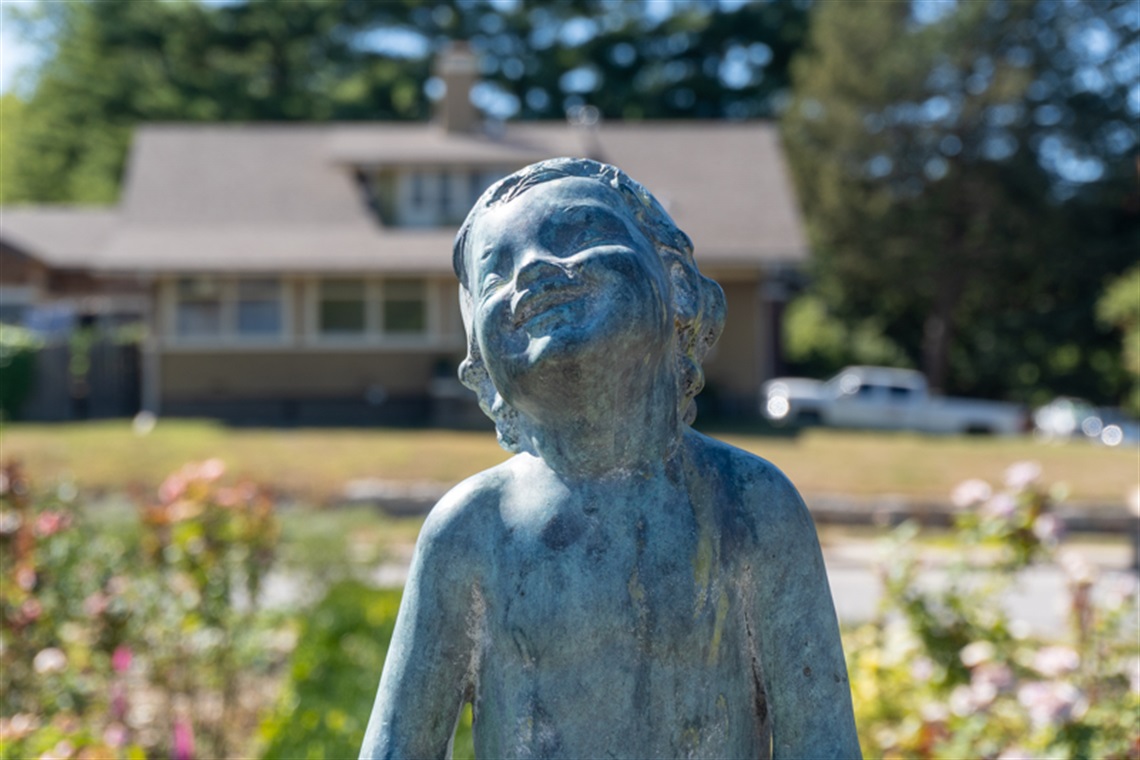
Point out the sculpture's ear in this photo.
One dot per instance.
(686, 299)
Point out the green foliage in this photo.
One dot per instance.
(945, 673)
(116, 63)
(18, 350)
(819, 345)
(11, 111)
(335, 670)
(950, 171)
(1119, 307)
(117, 648)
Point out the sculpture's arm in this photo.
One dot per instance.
(426, 671)
(800, 649)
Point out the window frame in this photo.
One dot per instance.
(229, 332)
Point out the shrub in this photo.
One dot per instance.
(113, 649)
(335, 670)
(18, 349)
(945, 673)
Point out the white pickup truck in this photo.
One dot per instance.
(886, 399)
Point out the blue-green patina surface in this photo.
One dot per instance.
(623, 586)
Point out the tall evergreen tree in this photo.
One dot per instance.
(970, 182)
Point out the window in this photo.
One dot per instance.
(418, 190)
(475, 186)
(444, 181)
(199, 307)
(259, 307)
(342, 307)
(405, 307)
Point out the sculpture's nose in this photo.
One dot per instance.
(537, 266)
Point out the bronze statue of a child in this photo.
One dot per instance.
(623, 586)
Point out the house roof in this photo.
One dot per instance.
(285, 198)
(63, 237)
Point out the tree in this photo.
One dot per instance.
(950, 171)
(116, 63)
(1119, 307)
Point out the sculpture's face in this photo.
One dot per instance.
(559, 273)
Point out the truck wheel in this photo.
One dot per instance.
(978, 430)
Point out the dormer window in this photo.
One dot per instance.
(428, 196)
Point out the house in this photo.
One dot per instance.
(302, 272)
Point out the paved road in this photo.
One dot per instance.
(1040, 597)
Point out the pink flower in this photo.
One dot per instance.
(61, 751)
(970, 492)
(116, 735)
(31, 610)
(26, 578)
(1022, 474)
(120, 705)
(172, 488)
(211, 470)
(1055, 661)
(183, 740)
(50, 522)
(95, 605)
(121, 658)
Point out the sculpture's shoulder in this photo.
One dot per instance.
(751, 488)
(467, 502)
(469, 517)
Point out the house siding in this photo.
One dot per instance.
(732, 370)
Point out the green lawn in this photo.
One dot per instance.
(312, 465)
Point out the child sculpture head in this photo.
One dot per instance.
(625, 215)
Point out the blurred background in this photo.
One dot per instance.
(229, 337)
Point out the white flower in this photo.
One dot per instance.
(1002, 505)
(1055, 661)
(1052, 702)
(1048, 528)
(922, 669)
(970, 492)
(994, 675)
(1077, 567)
(50, 660)
(976, 653)
(962, 702)
(1022, 474)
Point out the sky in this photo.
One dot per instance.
(14, 52)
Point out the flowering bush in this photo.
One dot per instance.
(116, 648)
(945, 673)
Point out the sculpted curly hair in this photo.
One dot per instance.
(698, 302)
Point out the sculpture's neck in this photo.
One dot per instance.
(621, 428)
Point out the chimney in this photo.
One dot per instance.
(458, 68)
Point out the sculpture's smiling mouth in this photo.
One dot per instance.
(542, 298)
